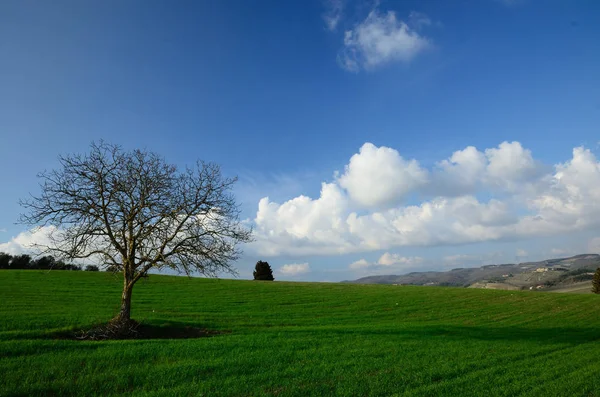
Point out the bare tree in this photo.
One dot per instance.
(134, 212)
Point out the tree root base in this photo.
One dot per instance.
(115, 329)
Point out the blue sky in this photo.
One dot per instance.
(371, 98)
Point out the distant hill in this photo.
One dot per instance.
(547, 274)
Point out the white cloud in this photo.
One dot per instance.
(294, 269)
(381, 39)
(388, 259)
(510, 165)
(436, 222)
(302, 224)
(361, 210)
(360, 264)
(36, 240)
(334, 13)
(25, 242)
(461, 173)
(570, 199)
(379, 176)
(506, 168)
(323, 226)
(3, 230)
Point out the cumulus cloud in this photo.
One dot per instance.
(381, 38)
(36, 241)
(379, 176)
(303, 224)
(294, 269)
(26, 242)
(510, 165)
(388, 259)
(360, 264)
(570, 200)
(362, 209)
(506, 168)
(461, 173)
(435, 222)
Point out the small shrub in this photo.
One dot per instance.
(92, 268)
(596, 282)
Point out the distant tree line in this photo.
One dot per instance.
(26, 262)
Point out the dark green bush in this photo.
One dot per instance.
(4, 260)
(20, 262)
(263, 271)
(596, 282)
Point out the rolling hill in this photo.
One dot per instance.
(552, 274)
(295, 339)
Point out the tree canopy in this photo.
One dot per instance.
(133, 211)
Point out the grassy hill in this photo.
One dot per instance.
(286, 339)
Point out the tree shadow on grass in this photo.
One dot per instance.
(183, 330)
(170, 331)
(139, 331)
(136, 331)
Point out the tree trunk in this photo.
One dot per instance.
(125, 313)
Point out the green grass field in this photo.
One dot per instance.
(296, 339)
